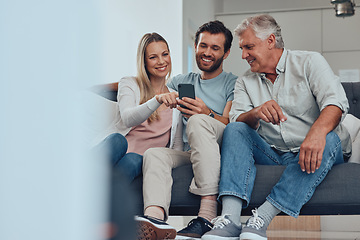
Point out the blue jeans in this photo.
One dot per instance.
(242, 147)
(130, 164)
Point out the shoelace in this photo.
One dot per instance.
(192, 226)
(255, 221)
(220, 222)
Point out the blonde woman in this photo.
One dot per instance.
(147, 114)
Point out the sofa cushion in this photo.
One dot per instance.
(352, 124)
(339, 193)
(352, 90)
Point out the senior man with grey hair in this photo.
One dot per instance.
(286, 111)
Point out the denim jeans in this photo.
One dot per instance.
(242, 147)
(130, 164)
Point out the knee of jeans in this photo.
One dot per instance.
(236, 127)
(332, 138)
(117, 141)
(116, 146)
(333, 142)
(333, 145)
(133, 161)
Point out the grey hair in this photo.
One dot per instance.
(263, 25)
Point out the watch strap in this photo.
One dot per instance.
(211, 114)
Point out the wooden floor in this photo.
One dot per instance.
(302, 223)
(305, 228)
(301, 228)
(307, 235)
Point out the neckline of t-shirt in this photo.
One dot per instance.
(221, 75)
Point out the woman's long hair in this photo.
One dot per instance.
(142, 78)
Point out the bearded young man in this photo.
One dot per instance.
(204, 123)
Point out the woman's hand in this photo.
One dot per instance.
(169, 99)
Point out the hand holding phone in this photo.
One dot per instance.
(197, 104)
(186, 90)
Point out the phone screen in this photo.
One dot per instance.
(186, 90)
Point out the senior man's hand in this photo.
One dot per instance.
(270, 112)
(311, 152)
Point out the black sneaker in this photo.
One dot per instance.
(195, 229)
(149, 228)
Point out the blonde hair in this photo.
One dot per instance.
(142, 78)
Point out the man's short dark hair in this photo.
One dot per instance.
(215, 27)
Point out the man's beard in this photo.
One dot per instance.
(214, 67)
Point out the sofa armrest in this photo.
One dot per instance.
(108, 91)
(352, 90)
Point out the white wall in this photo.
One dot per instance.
(195, 14)
(50, 51)
(125, 22)
(313, 29)
(242, 6)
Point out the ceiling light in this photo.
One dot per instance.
(339, 1)
(345, 9)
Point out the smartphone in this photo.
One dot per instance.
(186, 90)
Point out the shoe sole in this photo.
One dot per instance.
(213, 237)
(186, 237)
(149, 231)
(251, 236)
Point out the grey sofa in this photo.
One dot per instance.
(339, 193)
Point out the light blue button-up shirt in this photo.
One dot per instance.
(305, 85)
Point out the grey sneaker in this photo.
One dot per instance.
(223, 229)
(254, 229)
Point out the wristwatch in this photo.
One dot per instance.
(211, 114)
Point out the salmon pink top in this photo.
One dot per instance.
(155, 134)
